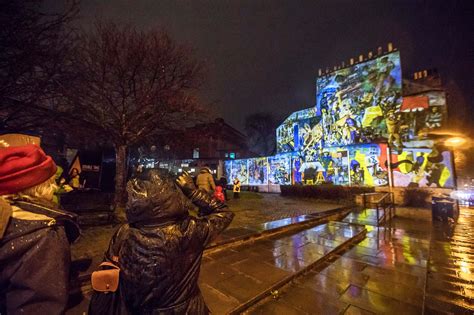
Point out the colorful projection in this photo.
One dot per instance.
(239, 169)
(279, 169)
(296, 133)
(357, 104)
(358, 165)
(422, 168)
(368, 165)
(258, 171)
(421, 114)
(344, 139)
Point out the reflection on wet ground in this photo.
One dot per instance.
(450, 281)
(234, 276)
(387, 273)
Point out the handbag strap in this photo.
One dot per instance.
(108, 264)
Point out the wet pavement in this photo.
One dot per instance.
(387, 273)
(450, 281)
(236, 277)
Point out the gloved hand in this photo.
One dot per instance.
(185, 182)
(201, 199)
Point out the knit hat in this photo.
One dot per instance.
(24, 167)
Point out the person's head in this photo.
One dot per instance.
(153, 196)
(218, 189)
(74, 172)
(27, 171)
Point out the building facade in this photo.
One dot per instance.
(368, 128)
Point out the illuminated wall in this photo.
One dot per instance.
(422, 168)
(344, 139)
(258, 171)
(368, 165)
(279, 169)
(296, 132)
(239, 169)
(357, 165)
(356, 104)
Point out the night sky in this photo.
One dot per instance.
(265, 55)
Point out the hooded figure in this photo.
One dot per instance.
(205, 181)
(161, 249)
(34, 234)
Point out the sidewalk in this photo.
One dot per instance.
(250, 209)
(405, 267)
(256, 215)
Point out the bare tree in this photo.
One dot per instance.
(132, 85)
(33, 48)
(260, 129)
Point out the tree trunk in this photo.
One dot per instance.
(120, 175)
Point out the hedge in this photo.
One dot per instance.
(325, 191)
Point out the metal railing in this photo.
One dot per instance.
(382, 202)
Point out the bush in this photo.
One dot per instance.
(416, 198)
(325, 191)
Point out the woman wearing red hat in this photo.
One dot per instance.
(34, 235)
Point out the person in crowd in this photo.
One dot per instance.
(205, 181)
(160, 250)
(34, 234)
(223, 184)
(75, 179)
(236, 188)
(218, 194)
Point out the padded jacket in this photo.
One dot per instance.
(161, 248)
(35, 258)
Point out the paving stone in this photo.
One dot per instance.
(276, 307)
(261, 271)
(218, 302)
(377, 303)
(334, 287)
(354, 310)
(312, 302)
(240, 287)
(214, 272)
(381, 274)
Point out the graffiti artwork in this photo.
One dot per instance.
(258, 171)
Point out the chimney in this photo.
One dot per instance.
(390, 47)
(352, 61)
(361, 58)
(379, 50)
(370, 55)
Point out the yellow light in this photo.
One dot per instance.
(455, 141)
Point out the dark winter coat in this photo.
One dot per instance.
(35, 259)
(205, 181)
(160, 254)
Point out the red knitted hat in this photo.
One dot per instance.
(24, 167)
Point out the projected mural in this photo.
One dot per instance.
(258, 171)
(296, 132)
(358, 104)
(368, 165)
(279, 169)
(422, 168)
(359, 119)
(239, 170)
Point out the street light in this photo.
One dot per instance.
(455, 141)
